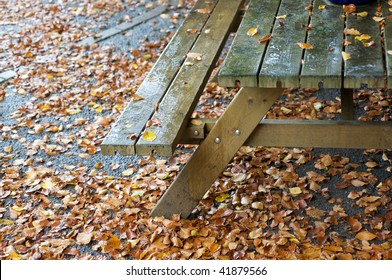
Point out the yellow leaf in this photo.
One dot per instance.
(73, 111)
(149, 136)
(362, 14)
(18, 208)
(13, 256)
(252, 31)
(346, 56)
(295, 190)
(365, 235)
(222, 197)
(305, 46)
(6, 222)
(99, 109)
(351, 31)
(363, 37)
(378, 19)
(321, 7)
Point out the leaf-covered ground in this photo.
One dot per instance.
(61, 199)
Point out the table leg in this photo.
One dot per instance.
(347, 101)
(212, 156)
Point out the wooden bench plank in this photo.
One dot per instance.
(388, 41)
(243, 60)
(323, 63)
(282, 62)
(319, 134)
(182, 97)
(137, 113)
(366, 65)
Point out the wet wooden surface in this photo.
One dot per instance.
(281, 60)
(182, 96)
(127, 130)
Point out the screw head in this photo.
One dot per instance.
(217, 140)
(196, 133)
(237, 132)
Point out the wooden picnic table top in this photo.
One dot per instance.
(307, 45)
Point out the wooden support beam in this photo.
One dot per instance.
(347, 102)
(212, 156)
(302, 133)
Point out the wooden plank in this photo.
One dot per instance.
(283, 59)
(366, 65)
(243, 60)
(388, 41)
(323, 63)
(183, 94)
(304, 133)
(136, 114)
(216, 151)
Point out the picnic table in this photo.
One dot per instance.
(297, 44)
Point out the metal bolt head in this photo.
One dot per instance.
(196, 133)
(217, 140)
(237, 132)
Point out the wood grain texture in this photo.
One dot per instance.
(388, 42)
(212, 156)
(243, 60)
(366, 64)
(182, 97)
(318, 134)
(323, 63)
(283, 59)
(136, 114)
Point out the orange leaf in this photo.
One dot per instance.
(349, 9)
(305, 46)
(203, 11)
(351, 31)
(265, 38)
(365, 235)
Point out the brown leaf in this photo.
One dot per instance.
(305, 46)
(365, 236)
(265, 39)
(84, 238)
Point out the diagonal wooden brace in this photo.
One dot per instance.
(230, 132)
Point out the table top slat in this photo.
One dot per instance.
(388, 41)
(243, 60)
(366, 65)
(323, 63)
(154, 86)
(282, 61)
(181, 98)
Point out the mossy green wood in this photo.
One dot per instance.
(282, 62)
(388, 42)
(137, 113)
(323, 63)
(366, 64)
(243, 60)
(182, 97)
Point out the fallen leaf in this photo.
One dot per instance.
(252, 31)
(352, 31)
(265, 39)
(389, 52)
(295, 191)
(222, 197)
(6, 222)
(363, 37)
(365, 236)
(149, 136)
(305, 46)
(349, 9)
(84, 238)
(192, 30)
(346, 56)
(203, 11)
(362, 14)
(281, 17)
(321, 7)
(73, 111)
(358, 183)
(378, 19)
(128, 172)
(195, 56)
